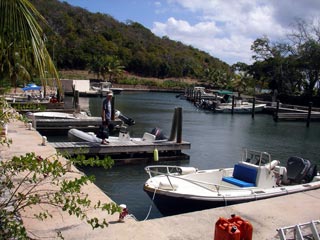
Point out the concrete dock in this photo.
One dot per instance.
(265, 215)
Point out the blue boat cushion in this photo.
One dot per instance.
(237, 182)
(243, 176)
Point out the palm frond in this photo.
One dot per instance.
(21, 33)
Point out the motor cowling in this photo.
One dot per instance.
(300, 170)
(312, 172)
(158, 133)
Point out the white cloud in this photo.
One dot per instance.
(183, 28)
(206, 36)
(157, 4)
(226, 29)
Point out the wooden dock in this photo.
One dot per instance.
(296, 113)
(134, 150)
(296, 116)
(126, 151)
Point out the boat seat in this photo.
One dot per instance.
(243, 176)
(148, 137)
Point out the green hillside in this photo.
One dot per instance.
(77, 37)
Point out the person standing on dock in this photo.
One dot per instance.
(106, 117)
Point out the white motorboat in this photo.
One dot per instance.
(222, 102)
(239, 107)
(202, 91)
(106, 87)
(57, 115)
(81, 115)
(177, 189)
(76, 135)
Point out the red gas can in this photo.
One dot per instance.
(244, 226)
(224, 230)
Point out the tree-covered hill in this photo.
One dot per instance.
(78, 37)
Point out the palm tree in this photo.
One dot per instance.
(240, 82)
(20, 33)
(112, 68)
(106, 67)
(95, 66)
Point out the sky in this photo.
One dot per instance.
(225, 29)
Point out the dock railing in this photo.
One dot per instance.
(296, 113)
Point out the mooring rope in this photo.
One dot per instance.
(154, 194)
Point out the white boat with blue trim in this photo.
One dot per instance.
(177, 189)
(239, 107)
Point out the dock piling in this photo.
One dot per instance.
(179, 124)
(309, 114)
(253, 107)
(76, 99)
(232, 109)
(275, 117)
(173, 127)
(176, 128)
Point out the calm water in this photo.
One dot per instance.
(216, 140)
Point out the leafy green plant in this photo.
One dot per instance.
(21, 178)
(28, 106)
(6, 112)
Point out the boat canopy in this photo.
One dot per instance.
(224, 92)
(31, 86)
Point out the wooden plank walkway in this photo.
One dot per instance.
(295, 113)
(296, 116)
(126, 150)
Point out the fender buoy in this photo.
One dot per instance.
(155, 155)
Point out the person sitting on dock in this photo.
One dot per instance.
(106, 114)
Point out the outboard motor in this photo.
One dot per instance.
(124, 134)
(312, 172)
(298, 170)
(126, 120)
(158, 133)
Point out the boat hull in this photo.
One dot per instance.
(169, 203)
(75, 135)
(240, 109)
(52, 115)
(179, 189)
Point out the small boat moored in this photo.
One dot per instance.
(177, 189)
(76, 135)
(105, 87)
(81, 115)
(239, 107)
(57, 115)
(224, 101)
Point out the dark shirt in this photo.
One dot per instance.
(106, 107)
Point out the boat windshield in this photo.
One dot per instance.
(256, 157)
(156, 170)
